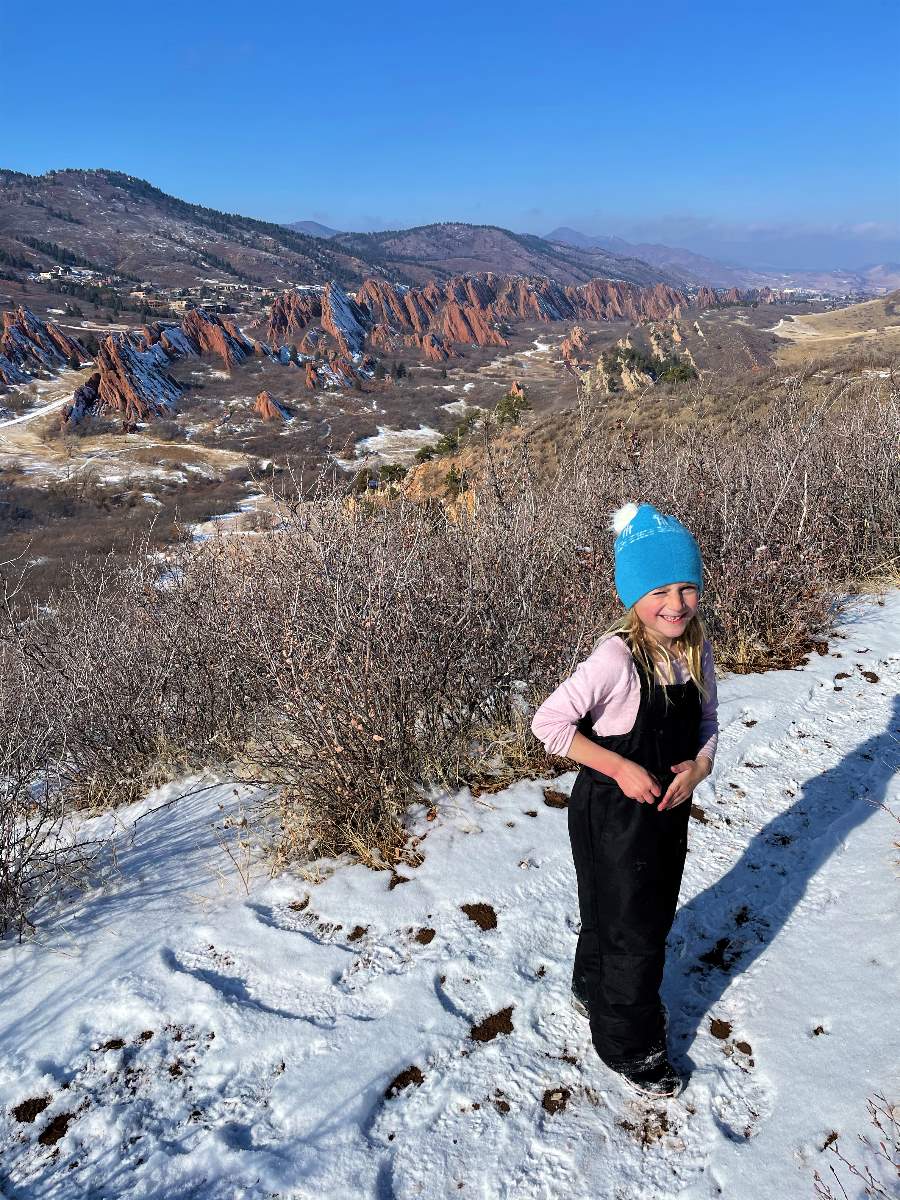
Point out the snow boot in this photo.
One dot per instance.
(656, 1078)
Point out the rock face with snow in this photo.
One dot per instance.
(83, 402)
(133, 381)
(267, 407)
(202, 333)
(29, 345)
(343, 319)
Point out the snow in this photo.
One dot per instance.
(260, 1030)
(389, 446)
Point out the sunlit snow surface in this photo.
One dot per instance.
(197, 1041)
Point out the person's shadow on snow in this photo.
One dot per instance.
(724, 929)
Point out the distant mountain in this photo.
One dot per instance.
(452, 248)
(313, 228)
(692, 269)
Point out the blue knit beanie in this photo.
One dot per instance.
(652, 550)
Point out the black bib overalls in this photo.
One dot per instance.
(629, 859)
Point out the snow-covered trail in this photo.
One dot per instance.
(191, 1040)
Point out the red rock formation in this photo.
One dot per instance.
(467, 324)
(706, 298)
(29, 345)
(312, 378)
(211, 335)
(516, 391)
(344, 320)
(574, 348)
(267, 407)
(291, 312)
(431, 345)
(468, 309)
(132, 381)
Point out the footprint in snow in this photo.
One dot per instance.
(395, 955)
(243, 987)
(297, 917)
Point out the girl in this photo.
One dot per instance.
(639, 715)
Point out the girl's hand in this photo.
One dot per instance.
(687, 775)
(637, 783)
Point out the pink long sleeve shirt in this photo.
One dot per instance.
(606, 685)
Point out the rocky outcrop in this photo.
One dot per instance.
(201, 333)
(292, 312)
(466, 310)
(29, 346)
(133, 381)
(430, 345)
(267, 407)
(344, 320)
(574, 348)
(82, 404)
(212, 334)
(312, 379)
(517, 392)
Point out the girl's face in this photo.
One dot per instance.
(666, 611)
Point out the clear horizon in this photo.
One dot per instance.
(754, 135)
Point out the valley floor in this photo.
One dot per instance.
(180, 1036)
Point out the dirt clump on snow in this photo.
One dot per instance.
(412, 1075)
(482, 914)
(490, 1027)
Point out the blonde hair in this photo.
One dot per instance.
(649, 653)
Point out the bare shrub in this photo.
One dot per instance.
(39, 856)
(880, 1176)
(131, 663)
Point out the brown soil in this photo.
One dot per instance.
(490, 1027)
(56, 1129)
(482, 914)
(29, 1109)
(412, 1075)
(356, 933)
(555, 1099)
(699, 814)
(653, 1126)
(720, 1029)
(424, 936)
(744, 1047)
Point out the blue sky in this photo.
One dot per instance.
(766, 130)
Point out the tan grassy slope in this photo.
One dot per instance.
(871, 326)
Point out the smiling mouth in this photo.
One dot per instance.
(674, 620)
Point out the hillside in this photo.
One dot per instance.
(439, 251)
(870, 327)
(119, 223)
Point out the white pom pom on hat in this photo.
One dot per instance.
(623, 517)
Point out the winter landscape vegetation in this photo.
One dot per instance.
(298, 526)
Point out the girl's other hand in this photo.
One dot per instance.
(687, 775)
(637, 783)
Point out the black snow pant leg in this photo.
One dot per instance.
(628, 863)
